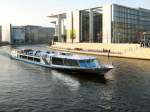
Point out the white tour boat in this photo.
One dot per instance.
(61, 61)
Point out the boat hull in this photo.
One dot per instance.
(98, 71)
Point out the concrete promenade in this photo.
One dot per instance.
(114, 50)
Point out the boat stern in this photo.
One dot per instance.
(13, 54)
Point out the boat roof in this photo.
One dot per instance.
(27, 49)
(64, 55)
(73, 57)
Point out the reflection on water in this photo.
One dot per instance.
(67, 80)
(27, 88)
(89, 77)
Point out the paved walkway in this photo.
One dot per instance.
(116, 50)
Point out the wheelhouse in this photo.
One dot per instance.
(88, 63)
(84, 63)
(64, 61)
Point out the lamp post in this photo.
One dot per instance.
(144, 33)
(118, 37)
(98, 37)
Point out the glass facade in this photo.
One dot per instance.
(144, 20)
(128, 24)
(85, 26)
(97, 29)
(125, 25)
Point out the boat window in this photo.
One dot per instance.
(24, 57)
(30, 53)
(91, 61)
(87, 63)
(57, 61)
(20, 56)
(69, 62)
(30, 58)
(36, 59)
(83, 63)
(62, 53)
(48, 52)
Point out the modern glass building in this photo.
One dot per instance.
(128, 24)
(110, 23)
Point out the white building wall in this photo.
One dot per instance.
(76, 18)
(6, 33)
(107, 18)
(56, 29)
(62, 27)
(75, 25)
(0, 33)
(68, 25)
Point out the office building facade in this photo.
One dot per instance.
(27, 34)
(17, 35)
(38, 34)
(110, 23)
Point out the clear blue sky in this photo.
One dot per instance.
(23, 12)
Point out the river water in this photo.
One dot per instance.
(30, 88)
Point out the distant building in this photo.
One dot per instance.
(6, 33)
(18, 35)
(38, 34)
(27, 34)
(0, 33)
(109, 23)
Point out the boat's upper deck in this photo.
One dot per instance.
(58, 58)
(64, 55)
(73, 57)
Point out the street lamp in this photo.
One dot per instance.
(144, 33)
(118, 37)
(98, 37)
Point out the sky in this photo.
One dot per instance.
(35, 12)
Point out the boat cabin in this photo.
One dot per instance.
(58, 58)
(85, 63)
